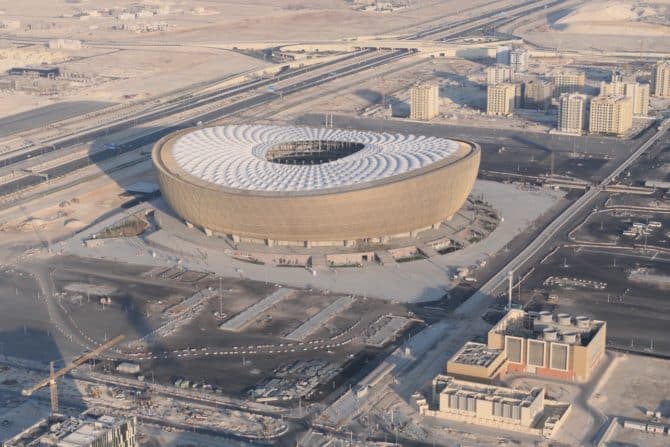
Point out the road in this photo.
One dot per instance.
(190, 101)
(547, 235)
(47, 115)
(431, 348)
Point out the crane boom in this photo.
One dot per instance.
(75, 363)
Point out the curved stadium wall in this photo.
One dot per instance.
(294, 185)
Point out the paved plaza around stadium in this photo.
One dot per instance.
(422, 280)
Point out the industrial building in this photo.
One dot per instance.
(282, 185)
(498, 74)
(537, 94)
(612, 115)
(540, 343)
(518, 60)
(569, 82)
(572, 113)
(639, 94)
(43, 72)
(500, 99)
(527, 411)
(549, 345)
(84, 431)
(660, 79)
(424, 102)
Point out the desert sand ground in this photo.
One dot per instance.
(619, 25)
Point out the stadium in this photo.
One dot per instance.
(283, 185)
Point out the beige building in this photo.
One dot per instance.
(549, 345)
(477, 362)
(518, 60)
(498, 74)
(572, 113)
(611, 115)
(660, 79)
(569, 82)
(84, 431)
(492, 404)
(540, 343)
(424, 102)
(500, 99)
(639, 93)
(527, 411)
(537, 94)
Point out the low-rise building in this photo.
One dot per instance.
(557, 346)
(84, 431)
(65, 44)
(527, 411)
(477, 362)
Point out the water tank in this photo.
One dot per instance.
(550, 334)
(545, 316)
(564, 319)
(569, 337)
(583, 322)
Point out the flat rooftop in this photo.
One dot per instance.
(477, 354)
(61, 431)
(547, 326)
(489, 392)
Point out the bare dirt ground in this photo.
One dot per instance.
(622, 25)
(208, 20)
(119, 65)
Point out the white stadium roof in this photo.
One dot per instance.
(235, 157)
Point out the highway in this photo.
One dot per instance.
(192, 101)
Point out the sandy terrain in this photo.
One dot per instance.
(612, 17)
(117, 64)
(119, 75)
(617, 25)
(151, 71)
(209, 20)
(55, 217)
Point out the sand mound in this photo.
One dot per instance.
(32, 224)
(600, 12)
(611, 18)
(73, 224)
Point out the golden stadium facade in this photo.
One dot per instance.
(284, 185)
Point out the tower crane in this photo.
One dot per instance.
(55, 374)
